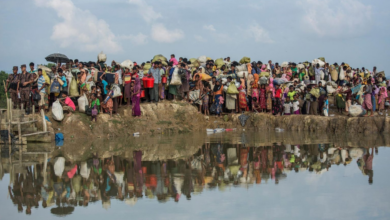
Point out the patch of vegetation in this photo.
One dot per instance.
(116, 122)
(164, 123)
(180, 115)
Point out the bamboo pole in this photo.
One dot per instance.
(19, 132)
(43, 120)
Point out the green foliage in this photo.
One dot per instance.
(49, 65)
(3, 100)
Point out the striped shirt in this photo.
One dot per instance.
(41, 81)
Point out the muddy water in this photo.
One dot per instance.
(231, 175)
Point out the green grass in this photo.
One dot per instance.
(116, 122)
(164, 123)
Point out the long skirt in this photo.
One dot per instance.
(230, 102)
(127, 90)
(172, 89)
(263, 100)
(219, 106)
(373, 100)
(205, 105)
(108, 106)
(277, 106)
(269, 101)
(242, 100)
(136, 107)
(381, 103)
(367, 104)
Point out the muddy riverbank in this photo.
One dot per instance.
(170, 117)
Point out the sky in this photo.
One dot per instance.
(351, 31)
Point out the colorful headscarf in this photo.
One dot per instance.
(263, 68)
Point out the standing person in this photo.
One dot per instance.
(230, 98)
(42, 90)
(127, 77)
(381, 99)
(295, 105)
(172, 89)
(277, 105)
(287, 106)
(13, 85)
(82, 81)
(162, 85)
(205, 105)
(155, 73)
(96, 105)
(136, 97)
(25, 81)
(255, 87)
(185, 85)
(318, 73)
(263, 98)
(348, 98)
(325, 107)
(217, 95)
(308, 99)
(195, 94)
(242, 98)
(367, 104)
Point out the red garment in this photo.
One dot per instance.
(278, 93)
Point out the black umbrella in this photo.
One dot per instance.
(57, 58)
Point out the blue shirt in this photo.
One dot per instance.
(63, 78)
(155, 72)
(104, 86)
(41, 81)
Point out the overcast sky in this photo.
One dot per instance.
(351, 31)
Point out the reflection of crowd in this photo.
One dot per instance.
(67, 185)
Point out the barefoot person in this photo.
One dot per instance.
(367, 104)
(136, 97)
(195, 93)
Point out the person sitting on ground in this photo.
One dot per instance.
(67, 103)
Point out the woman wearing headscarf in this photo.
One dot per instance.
(381, 99)
(255, 87)
(136, 97)
(242, 98)
(218, 88)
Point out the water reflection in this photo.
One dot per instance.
(63, 185)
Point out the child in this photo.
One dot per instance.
(287, 106)
(99, 96)
(205, 106)
(295, 105)
(95, 105)
(326, 106)
(256, 105)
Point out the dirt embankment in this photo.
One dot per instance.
(178, 117)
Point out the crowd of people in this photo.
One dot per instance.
(214, 86)
(64, 183)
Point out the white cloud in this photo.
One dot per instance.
(146, 11)
(334, 18)
(163, 35)
(80, 28)
(259, 34)
(138, 39)
(199, 38)
(209, 27)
